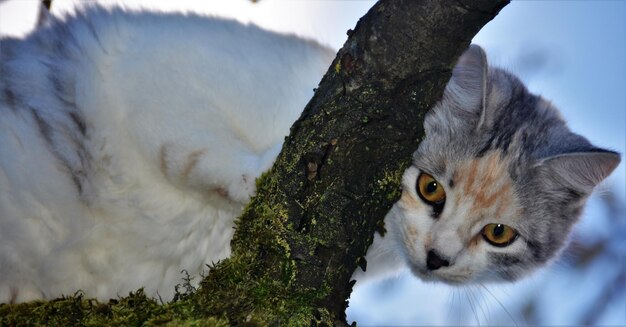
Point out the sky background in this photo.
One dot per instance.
(570, 52)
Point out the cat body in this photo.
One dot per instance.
(130, 141)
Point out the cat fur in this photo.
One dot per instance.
(129, 141)
(504, 156)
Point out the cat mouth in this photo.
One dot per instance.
(445, 276)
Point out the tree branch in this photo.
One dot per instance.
(300, 239)
(44, 11)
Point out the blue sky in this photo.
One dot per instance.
(572, 53)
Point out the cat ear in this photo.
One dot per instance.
(469, 79)
(582, 170)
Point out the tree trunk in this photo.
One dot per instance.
(315, 213)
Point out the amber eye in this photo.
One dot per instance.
(430, 190)
(499, 234)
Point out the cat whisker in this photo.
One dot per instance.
(475, 292)
(457, 308)
(471, 304)
(508, 313)
(450, 300)
(454, 310)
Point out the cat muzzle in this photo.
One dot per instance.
(434, 261)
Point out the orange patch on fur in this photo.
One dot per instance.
(469, 175)
(409, 244)
(505, 201)
(221, 192)
(473, 243)
(428, 241)
(192, 160)
(408, 200)
(486, 184)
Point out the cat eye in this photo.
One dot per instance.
(430, 190)
(499, 234)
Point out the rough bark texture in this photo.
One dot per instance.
(316, 211)
(303, 235)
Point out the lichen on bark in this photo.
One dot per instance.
(315, 213)
(340, 168)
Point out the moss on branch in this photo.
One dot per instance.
(315, 213)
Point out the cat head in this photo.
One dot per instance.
(498, 182)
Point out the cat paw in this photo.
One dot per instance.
(242, 189)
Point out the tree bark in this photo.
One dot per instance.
(315, 213)
(299, 241)
(44, 11)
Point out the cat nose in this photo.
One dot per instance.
(434, 261)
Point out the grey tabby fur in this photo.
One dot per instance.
(504, 156)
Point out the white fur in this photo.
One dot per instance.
(129, 142)
(399, 249)
(154, 91)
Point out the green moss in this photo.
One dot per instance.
(274, 302)
(133, 310)
(257, 285)
(337, 66)
(390, 183)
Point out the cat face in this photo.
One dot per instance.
(461, 224)
(496, 185)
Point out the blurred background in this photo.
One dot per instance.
(572, 53)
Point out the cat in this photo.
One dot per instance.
(495, 186)
(129, 142)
